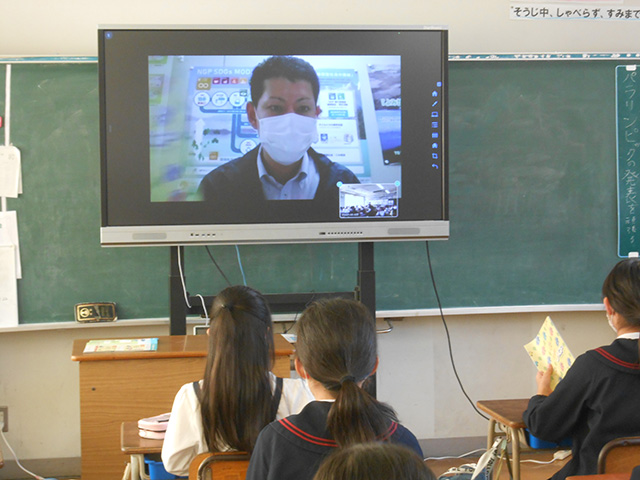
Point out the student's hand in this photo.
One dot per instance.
(543, 379)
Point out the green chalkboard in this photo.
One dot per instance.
(532, 187)
(628, 137)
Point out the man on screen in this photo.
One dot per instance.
(284, 110)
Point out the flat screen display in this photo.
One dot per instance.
(238, 135)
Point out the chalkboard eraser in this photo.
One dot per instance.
(95, 312)
(633, 255)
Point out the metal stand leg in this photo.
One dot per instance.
(511, 436)
(135, 467)
(492, 433)
(127, 472)
(515, 453)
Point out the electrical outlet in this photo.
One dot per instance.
(4, 418)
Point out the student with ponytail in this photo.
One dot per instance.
(335, 352)
(597, 400)
(239, 395)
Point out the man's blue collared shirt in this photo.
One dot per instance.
(302, 186)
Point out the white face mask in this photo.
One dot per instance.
(611, 324)
(287, 137)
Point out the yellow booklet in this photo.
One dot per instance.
(549, 348)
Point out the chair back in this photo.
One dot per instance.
(619, 455)
(219, 465)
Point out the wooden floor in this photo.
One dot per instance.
(528, 470)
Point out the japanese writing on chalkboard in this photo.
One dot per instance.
(537, 11)
(628, 140)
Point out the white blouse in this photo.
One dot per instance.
(184, 438)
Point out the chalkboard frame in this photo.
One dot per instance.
(479, 268)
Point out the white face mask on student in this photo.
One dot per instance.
(287, 137)
(611, 324)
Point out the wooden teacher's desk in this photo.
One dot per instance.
(118, 387)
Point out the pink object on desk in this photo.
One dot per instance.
(153, 427)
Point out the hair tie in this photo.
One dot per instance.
(347, 378)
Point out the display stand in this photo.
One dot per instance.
(365, 291)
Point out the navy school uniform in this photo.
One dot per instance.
(294, 447)
(595, 402)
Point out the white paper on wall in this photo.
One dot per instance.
(8, 287)
(10, 181)
(9, 236)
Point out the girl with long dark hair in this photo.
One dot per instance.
(238, 395)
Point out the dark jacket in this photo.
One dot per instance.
(236, 185)
(596, 401)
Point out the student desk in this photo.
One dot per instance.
(136, 447)
(507, 415)
(118, 387)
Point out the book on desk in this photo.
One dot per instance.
(122, 345)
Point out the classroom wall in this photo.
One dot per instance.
(68, 27)
(39, 382)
